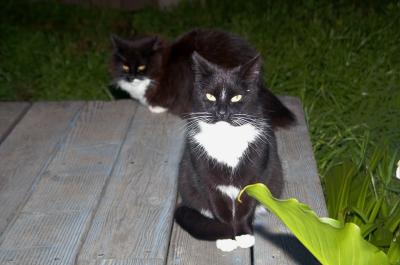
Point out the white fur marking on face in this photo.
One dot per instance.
(223, 94)
(136, 89)
(157, 109)
(229, 190)
(226, 245)
(245, 241)
(224, 142)
(207, 213)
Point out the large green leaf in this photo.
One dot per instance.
(327, 239)
(394, 251)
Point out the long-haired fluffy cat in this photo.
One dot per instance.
(159, 73)
(230, 144)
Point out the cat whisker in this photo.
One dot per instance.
(191, 123)
(194, 113)
(154, 82)
(265, 138)
(182, 126)
(251, 119)
(194, 118)
(259, 124)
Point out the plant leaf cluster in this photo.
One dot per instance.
(329, 240)
(365, 191)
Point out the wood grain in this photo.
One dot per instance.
(10, 114)
(131, 261)
(185, 250)
(26, 152)
(274, 243)
(134, 218)
(57, 215)
(43, 239)
(96, 184)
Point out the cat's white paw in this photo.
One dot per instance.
(245, 241)
(157, 109)
(226, 245)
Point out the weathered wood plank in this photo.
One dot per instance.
(274, 244)
(10, 114)
(185, 250)
(55, 219)
(26, 151)
(134, 218)
(43, 239)
(132, 261)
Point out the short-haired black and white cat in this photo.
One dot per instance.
(230, 144)
(158, 73)
(136, 66)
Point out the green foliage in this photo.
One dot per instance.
(331, 242)
(363, 190)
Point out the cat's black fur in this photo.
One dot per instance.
(200, 175)
(169, 66)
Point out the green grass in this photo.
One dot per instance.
(341, 58)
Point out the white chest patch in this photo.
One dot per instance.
(224, 142)
(136, 89)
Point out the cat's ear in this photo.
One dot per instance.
(118, 42)
(158, 44)
(250, 71)
(201, 67)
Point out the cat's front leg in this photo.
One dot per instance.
(243, 222)
(244, 237)
(222, 208)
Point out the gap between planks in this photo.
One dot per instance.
(71, 144)
(10, 114)
(23, 166)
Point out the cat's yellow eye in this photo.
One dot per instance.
(236, 98)
(210, 97)
(141, 68)
(125, 68)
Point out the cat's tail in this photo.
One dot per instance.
(200, 226)
(280, 115)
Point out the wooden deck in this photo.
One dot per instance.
(94, 183)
